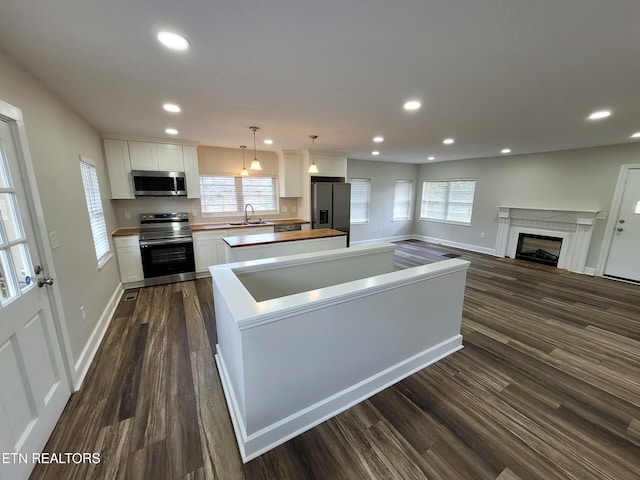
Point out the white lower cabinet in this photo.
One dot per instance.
(208, 249)
(129, 259)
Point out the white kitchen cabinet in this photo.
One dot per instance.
(191, 170)
(129, 259)
(330, 166)
(290, 174)
(237, 232)
(305, 226)
(208, 248)
(156, 156)
(119, 168)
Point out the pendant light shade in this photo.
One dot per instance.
(244, 171)
(255, 164)
(313, 168)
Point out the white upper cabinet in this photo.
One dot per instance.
(119, 168)
(156, 156)
(191, 171)
(330, 166)
(290, 174)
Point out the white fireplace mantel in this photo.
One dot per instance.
(573, 226)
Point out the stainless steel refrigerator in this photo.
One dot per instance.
(331, 206)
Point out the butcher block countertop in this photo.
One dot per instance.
(203, 227)
(265, 238)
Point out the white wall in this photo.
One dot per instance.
(56, 136)
(581, 179)
(383, 176)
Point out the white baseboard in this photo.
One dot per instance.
(381, 240)
(90, 349)
(257, 443)
(589, 271)
(462, 246)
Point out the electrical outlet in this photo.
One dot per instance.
(127, 215)
(293, 209)
(53, 239)
(481, 234)
(194, 212)
(284, 209)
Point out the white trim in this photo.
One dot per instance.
(614, 212)
(397, 238)
(462, 246)
(93, 343)
(254, 445)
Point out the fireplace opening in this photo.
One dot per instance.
(539, 249)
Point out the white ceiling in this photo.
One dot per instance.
(522, 74)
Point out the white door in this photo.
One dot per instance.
(33, 386)
(624, 255)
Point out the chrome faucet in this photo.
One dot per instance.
(246, 217)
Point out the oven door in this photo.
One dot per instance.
(165, 261)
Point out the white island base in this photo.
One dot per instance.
(304, 337)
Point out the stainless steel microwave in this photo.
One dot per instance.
(158, 184)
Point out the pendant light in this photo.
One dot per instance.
(255, 164)
(313, 168)
(244, 172)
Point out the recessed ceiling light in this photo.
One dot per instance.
(505, 150)
(375, 152)
(378, 139)
(412, 105)
(268, 141)
(171, 131)
(636, 135)
(173, 41)
(431, 158)
(448, 141)
(599, 114)
(171, 107)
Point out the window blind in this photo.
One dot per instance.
(448, 201)
(360, 192)
(94, 207)
(402, 200)
(227, 195)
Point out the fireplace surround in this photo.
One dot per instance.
(572, 227)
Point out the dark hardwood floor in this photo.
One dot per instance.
(547, 387)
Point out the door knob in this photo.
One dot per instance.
(620, 221)
(44, 281)
(619, 229)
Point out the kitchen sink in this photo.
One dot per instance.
(257, 222)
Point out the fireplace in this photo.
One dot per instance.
(539, 249)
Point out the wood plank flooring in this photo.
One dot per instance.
(547, 387)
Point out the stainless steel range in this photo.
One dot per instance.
(166, 244)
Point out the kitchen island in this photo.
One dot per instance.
(252, 247)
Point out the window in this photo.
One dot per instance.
(227, 195)
(448, 201)
(96, 213)
(402, 200)
(360, 188)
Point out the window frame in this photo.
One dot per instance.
(366, 181)
(97, 220)
(238, 195)
(400, 181)
(448, 202)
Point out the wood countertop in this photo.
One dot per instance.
(203, 227)
(266, 238)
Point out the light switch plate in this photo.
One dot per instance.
(53, 239)
(127, 215)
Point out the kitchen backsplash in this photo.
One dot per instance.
(128, 211)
